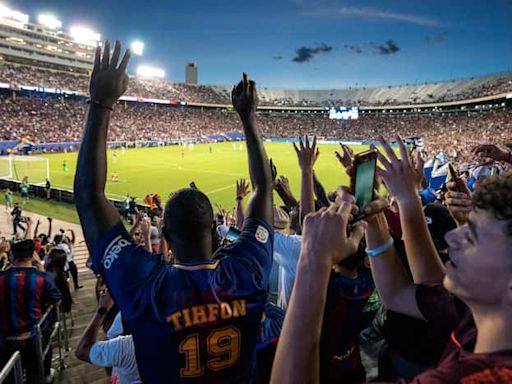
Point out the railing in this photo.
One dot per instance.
(13, 365)
(56, 330)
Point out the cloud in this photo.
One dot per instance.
(279, 57)
(373, 14)
(436, 38)
(305, 54)
(354, 48)
(388, 48)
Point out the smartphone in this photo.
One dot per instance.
(454, 176)
(232, 235)
(363, 177)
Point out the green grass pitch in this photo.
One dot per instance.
(163, 170)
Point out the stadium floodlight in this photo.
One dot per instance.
(137, 47)
(11, 14)
(84, 35)
(152, 72)
(49, 21)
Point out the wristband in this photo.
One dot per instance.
(380, 249)
(99, 104)
(239, 198)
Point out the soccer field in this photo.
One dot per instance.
(163, 170)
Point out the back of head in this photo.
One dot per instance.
(494, 194)
(23, 250)
(56, 260)
(188, 216)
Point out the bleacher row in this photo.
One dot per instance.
(19, 75)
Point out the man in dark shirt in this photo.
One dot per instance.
(16, 219)
(25, 293)
(198, 319)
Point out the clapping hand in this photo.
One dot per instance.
(108, 80)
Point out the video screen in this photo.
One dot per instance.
(342, 113)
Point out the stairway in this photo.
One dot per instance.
(76, 371)
(81, 254)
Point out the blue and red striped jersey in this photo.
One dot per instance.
(25, 294)
(346, 298)
(191, 322)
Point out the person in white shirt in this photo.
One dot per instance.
(118, 352)
(286, 255)
(66, 244)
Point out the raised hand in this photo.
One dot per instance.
(242, 188)
(306, 153)
(399, 174)
(493, 152)
(244, 97)
(108, 80)
(324, 234)
(283, 183)
(346, 158)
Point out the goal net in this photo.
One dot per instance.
(37, 169)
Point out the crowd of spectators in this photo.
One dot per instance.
(291, 293)
(52, 119)
(162, 89)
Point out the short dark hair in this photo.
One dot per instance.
(187, 213)
(494, 194)
(23, 250)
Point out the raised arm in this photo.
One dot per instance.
(108, 82)
(396, 290)
(73, 236)
(90, 335)
(320, 193)
(36, 230)
(282, 187)
(400, 178)
(307, 155)
(242, 190)
(324, 243)
(50, 222)
(245, 100)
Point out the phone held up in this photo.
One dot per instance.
(454, 176)
(362, 183)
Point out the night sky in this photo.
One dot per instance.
(304, 43)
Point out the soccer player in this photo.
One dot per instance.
(115, 177)
(199, 318)
(65, 167)
(114, 157)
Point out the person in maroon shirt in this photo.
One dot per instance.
(473, 306)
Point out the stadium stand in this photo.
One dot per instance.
(43, 102)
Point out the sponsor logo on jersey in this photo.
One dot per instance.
(261, 234)
(113, 249)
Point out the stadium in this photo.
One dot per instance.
(164, 136)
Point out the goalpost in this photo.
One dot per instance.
(37, 169)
